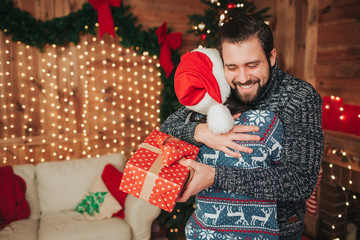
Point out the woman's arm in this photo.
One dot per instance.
(179, 126)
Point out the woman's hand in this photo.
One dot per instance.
(225, 142)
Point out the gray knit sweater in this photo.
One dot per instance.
(298, 106)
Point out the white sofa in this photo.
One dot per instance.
(53, 191)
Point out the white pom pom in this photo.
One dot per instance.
(219, 119)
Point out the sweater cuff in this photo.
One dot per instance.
(190, 129)
(219, 175)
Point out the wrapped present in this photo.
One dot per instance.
(153, 173)
(331, 113)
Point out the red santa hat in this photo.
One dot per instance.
(200, 85)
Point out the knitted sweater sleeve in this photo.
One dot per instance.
(295, 178)
(179, 126)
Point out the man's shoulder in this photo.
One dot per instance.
(297, 88)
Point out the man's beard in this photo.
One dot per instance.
(245, 98)
(235, 102)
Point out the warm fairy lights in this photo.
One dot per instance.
(339, 116)
(77, 101)
(339, 155)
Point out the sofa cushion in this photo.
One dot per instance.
(98, 203)
(13, 204)
(20, 230)
(27, 172)
(112, 179)
(62, 184)
(71, 225)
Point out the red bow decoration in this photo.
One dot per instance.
(174, 149)
(167, 42)
(105, 19)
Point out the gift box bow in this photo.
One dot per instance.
(173, 149)
(169, 151)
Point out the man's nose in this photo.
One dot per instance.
(242, 76)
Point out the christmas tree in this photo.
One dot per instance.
(206, 27)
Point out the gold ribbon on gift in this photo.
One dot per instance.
(153, 172)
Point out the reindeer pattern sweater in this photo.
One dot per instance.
(298, 106)
(223, 214)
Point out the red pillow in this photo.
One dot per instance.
(13, 205)
(112, 178)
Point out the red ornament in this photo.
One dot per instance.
(203, 37)
(231, 5)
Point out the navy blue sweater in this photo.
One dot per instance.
(298, 106)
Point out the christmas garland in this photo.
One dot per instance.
(24, 28)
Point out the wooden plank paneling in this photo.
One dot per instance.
(338, 56)
(73, 101)
(344, 33)
(338, 70)
(152, 14)
(330, 13)
(284, 33)
(344, 87)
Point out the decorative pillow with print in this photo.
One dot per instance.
(98, 203)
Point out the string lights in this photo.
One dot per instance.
(335, 158)
(83, 100)
(340, 117)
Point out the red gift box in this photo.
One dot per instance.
(153, 173)
(331, 113)
(350, 121)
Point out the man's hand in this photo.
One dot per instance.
(204, 176)
(224, 142)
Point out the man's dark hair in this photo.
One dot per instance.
(243, 27)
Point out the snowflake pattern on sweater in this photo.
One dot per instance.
(223, 214)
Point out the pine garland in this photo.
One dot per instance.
(24, 28)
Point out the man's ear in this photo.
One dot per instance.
(273, 57)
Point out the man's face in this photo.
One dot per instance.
(246, 67)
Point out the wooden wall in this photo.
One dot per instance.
(337, 73)
(337, 67)
(72, 102)
(318, 41)
(315, 40)
(152, 13)
(294, 25)
(338, 56)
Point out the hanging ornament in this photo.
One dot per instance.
(201, 26)
(231, 5)
(203, 37)
(221, 19)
